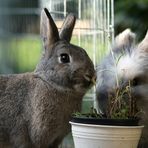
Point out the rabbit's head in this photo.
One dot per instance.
(130, 63)
(62, 63)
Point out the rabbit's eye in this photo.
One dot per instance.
(64, 58)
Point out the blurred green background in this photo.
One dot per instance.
(131, 14)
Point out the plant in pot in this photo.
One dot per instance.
(119, 126)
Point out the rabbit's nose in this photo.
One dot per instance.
(90, 78)
(93, 80)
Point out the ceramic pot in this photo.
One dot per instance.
(105, 136)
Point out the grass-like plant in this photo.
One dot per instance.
(122, 104)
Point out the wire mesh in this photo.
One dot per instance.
(20, 29)
(94, 31)
(94, 28)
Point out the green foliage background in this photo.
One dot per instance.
(131, 14)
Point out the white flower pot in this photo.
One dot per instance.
(104, 136)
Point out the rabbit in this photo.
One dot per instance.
(132, 65)
(35, 107)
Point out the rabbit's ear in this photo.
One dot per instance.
(144, 43)
(124, 39)
(48, 30)
(67, 27)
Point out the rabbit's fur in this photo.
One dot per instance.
(132, 64)
(35, 108)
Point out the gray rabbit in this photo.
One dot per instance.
(35, 108)
(132, 65)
